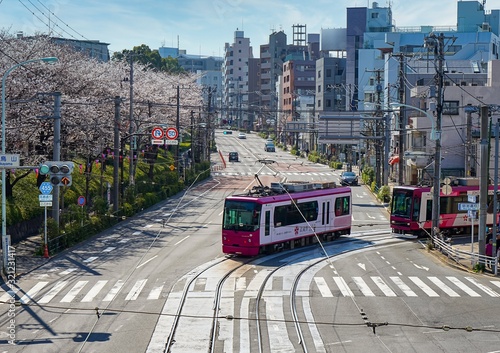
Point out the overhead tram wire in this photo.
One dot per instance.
(58, 18)
(48, 18)
(34, 14)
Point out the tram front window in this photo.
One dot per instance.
(401, 204)
(240, 215)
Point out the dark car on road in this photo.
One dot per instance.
(233, 156)
(269, 147)
(348, 179)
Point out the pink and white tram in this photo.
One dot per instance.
(269, 220)
(411, 210)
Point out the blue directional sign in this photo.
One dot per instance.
(468, 206)
(46, 188)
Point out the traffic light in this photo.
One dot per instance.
(59, 172)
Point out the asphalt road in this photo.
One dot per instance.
(119, 292)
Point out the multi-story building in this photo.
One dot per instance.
(236, 80)
(299, 71)
(469, 50)
(272, 56)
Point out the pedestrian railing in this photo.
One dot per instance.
(461, 256)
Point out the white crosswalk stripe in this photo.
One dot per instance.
(68, 298)
(25, 299)
(53, 292)
(373, 286)
(94, 291)
(136, 289)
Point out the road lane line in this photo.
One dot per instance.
(145, 262)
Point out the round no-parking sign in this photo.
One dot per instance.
(81, 200)
(172, 133)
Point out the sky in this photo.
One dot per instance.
(202, 27)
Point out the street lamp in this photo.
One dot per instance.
(5, 238)
(435, 135)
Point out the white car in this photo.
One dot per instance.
(242, 135)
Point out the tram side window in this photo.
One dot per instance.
(428, 214)
(416, 209)
(294, 214)
(267, 223)
(342, 206)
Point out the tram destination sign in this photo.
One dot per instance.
(468, 206)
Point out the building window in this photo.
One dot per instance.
(319, 103)
(450, 107)
(319, 73)
(319, 88)
(374, 14)
(328, 103)
(328, 72)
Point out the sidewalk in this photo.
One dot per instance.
(25, 255)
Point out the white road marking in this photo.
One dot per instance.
(463, 286)
(145, 262)
(94, 291)
(363, 287)
(74, 291)
(53, 292)
(323, 287)
(403, 286)
(114, 291)
(32, 292)
(383, 286)
(136, 289)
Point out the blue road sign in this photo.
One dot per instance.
(468, 206)
(46, 188)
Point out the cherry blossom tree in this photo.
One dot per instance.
(88, 88)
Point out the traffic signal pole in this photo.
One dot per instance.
(56, 154)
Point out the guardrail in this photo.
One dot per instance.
(464, 257)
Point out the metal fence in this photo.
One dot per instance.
(465, 258)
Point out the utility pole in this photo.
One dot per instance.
(378, 147)
(56, 153)
(484, 177)
(131, 122)
(437, 44)
(469, 109)
(402, 119)
(177, 126)
(116, 156)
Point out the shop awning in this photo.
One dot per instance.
(393, 160)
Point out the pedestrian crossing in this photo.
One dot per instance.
(288, 174)
(87, 291)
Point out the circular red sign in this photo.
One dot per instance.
(81, 200)
(157, 133)
(172, 133)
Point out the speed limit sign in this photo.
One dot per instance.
(172, 133)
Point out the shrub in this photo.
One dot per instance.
(384, 193)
